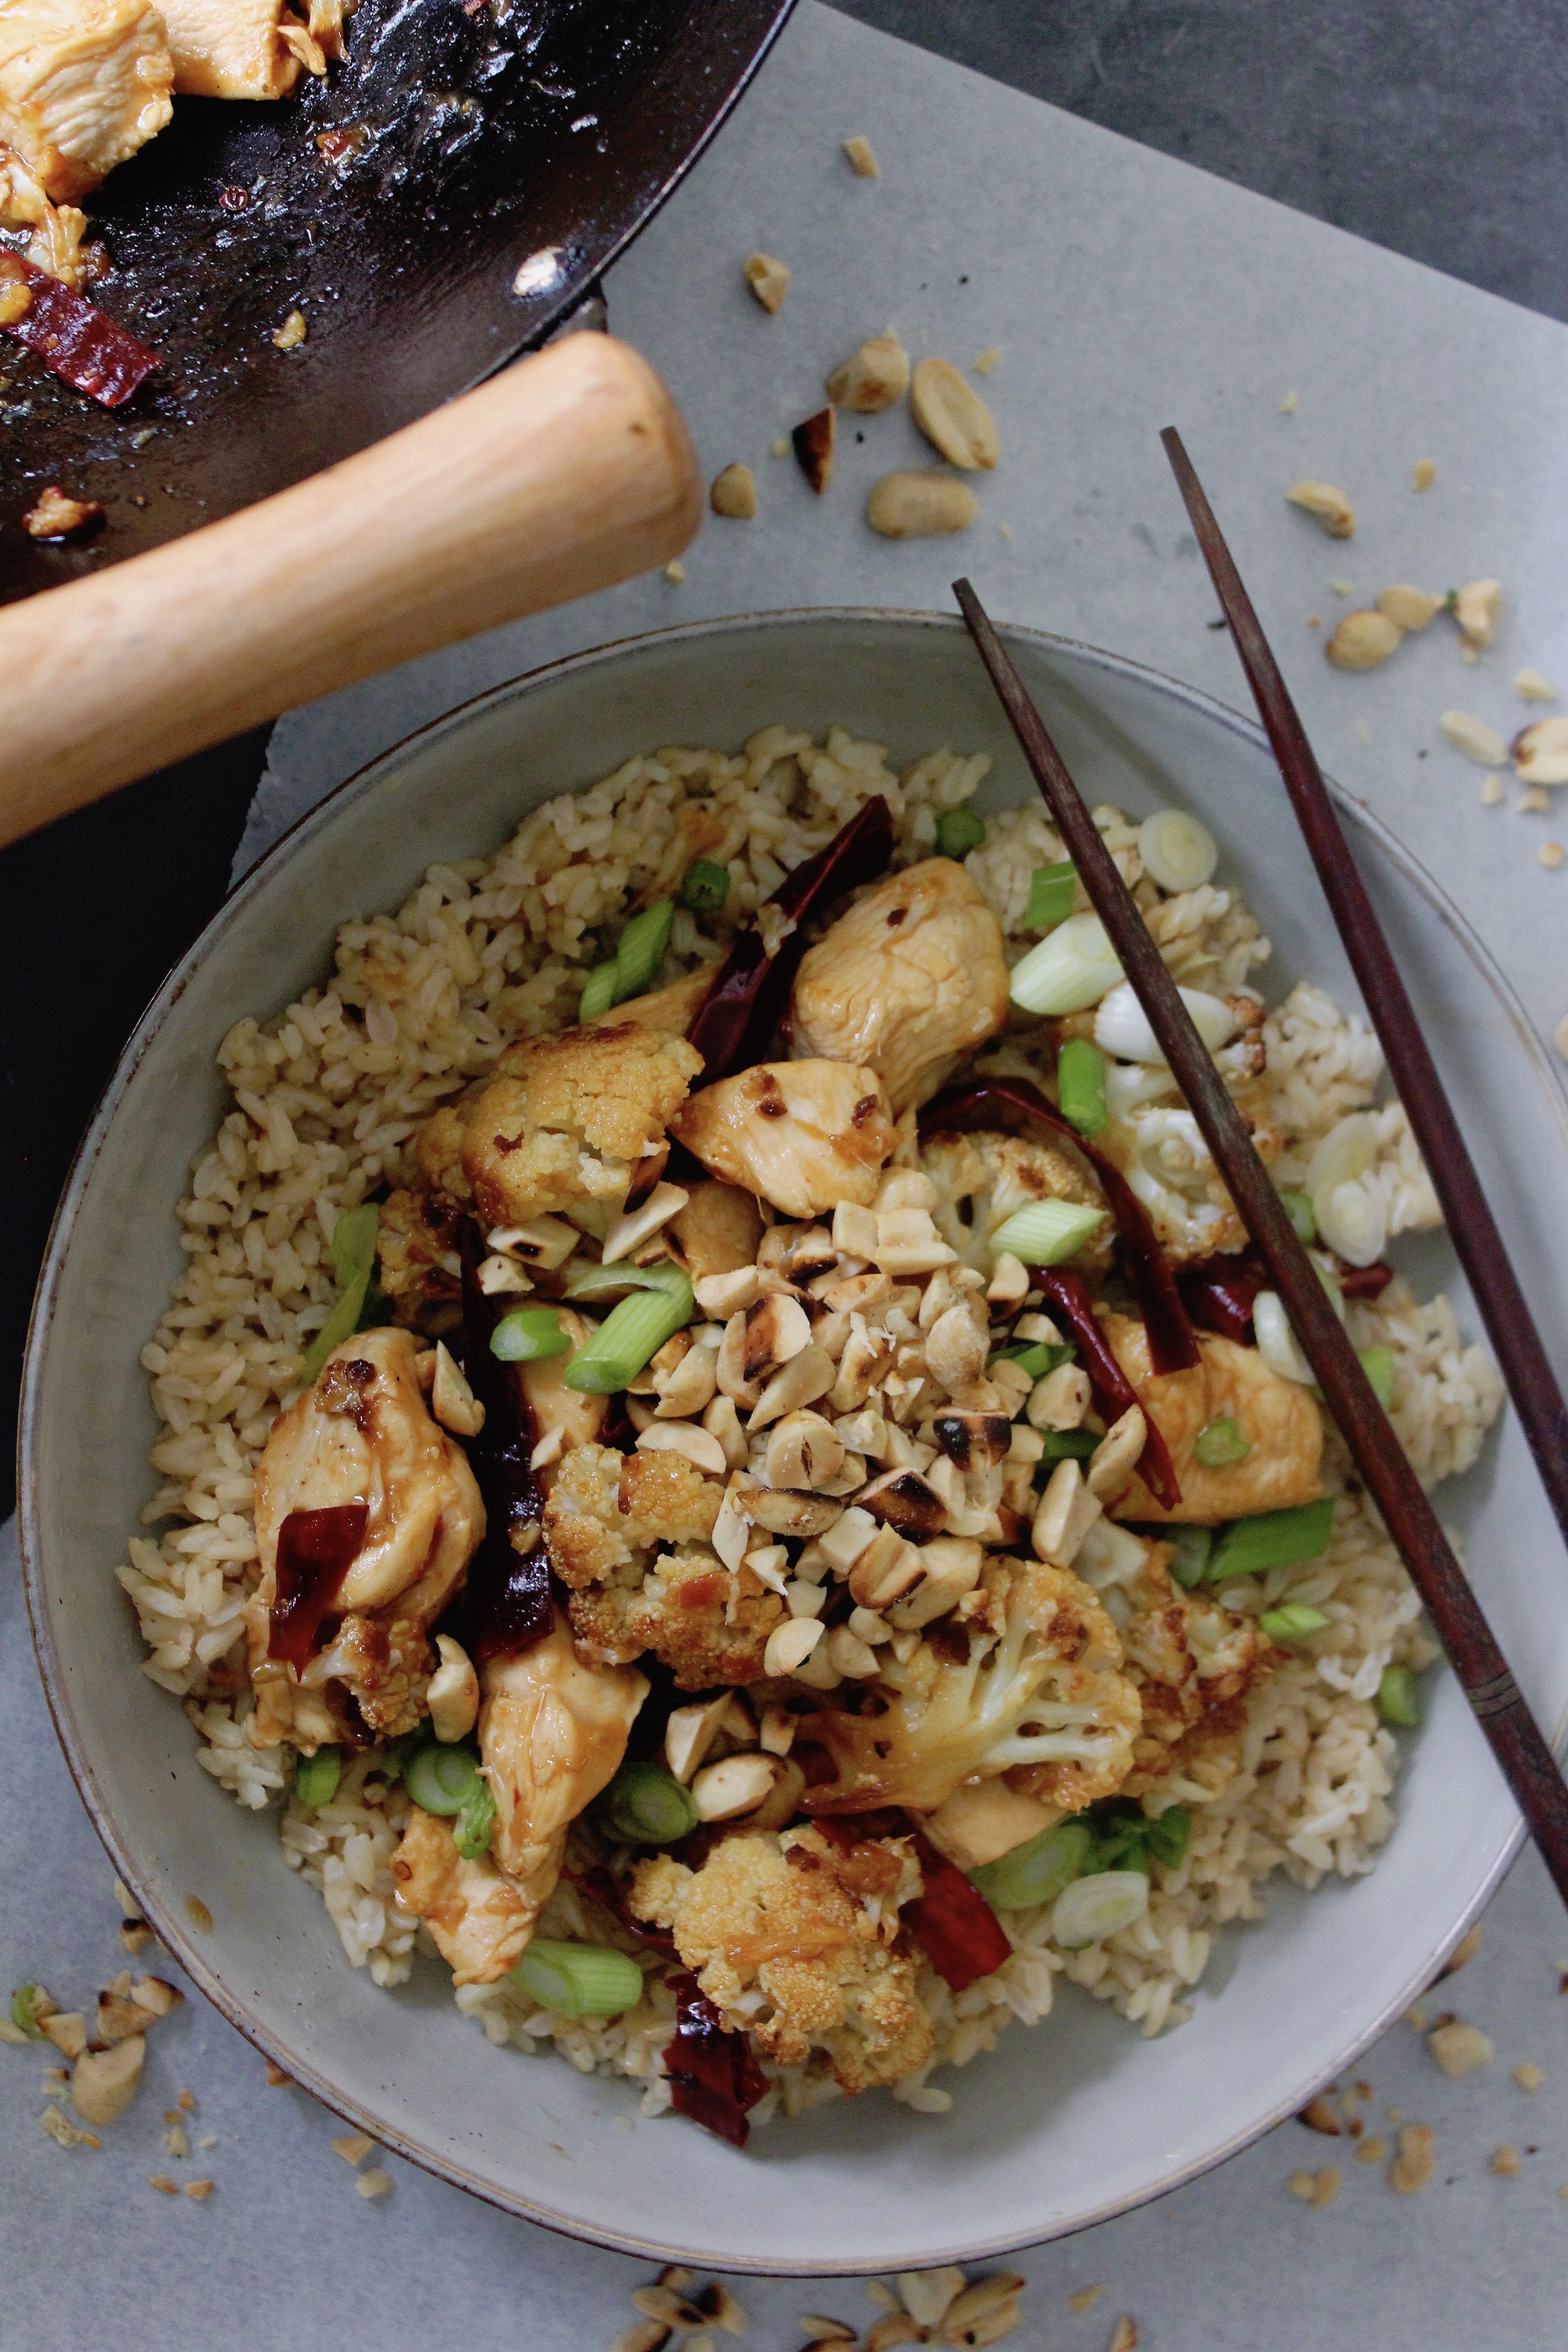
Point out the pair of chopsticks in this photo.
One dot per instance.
(1483, 1671)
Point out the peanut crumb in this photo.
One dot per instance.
(163, 2185)
(1414, 2166)
(1416, 2017)
(1123, 2335)
(987, 360)
(1530, 686)
(1372, 2151)
(374, 2182)
(1459, 2049)
(133, 1934)
(1314, 620)
(883, 2297)
(1531, 803)
(1505, 2163)
(200, 2190)
(1424, 476)
(291, 334)
(176, 2142)
(1529, 2076)
(1363, 732)
(1287, 405)
(779, 445)
(1463, 1953)
(675, 572)
(276, 2078)
(352, 2146)
(1085, 2299)
(1318, 2116)
(208, 2140)
(186, 2103)
(1491, 792)
(1551, 853)
(862, 159)
(1342, 587)
(1319, 2187)
(1394, 2115)
(768, 280)
(200, 1917)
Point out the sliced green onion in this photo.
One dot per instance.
(1046, 1232)
(1220, 1443)
(394, 1757)
(579, 1979)
(354, 1262)
(641, 950)
(1068, 971)
(705, 886)
(1297, 1207)
(1180, 853)
(1377, 1363)
(1080, 1085)
(1190, 1553)
(958, 830)
(1122, 1028)
(1293, 1623)
(1169, 1833)
(476, 1818)
(598, 992)
(1397, 1698)
(1092, 1908)
(628, 1336)
(1035, 1357)
(1067, 1445)
(441, 1778)
(24, 2012)
(1036, 1871)
(645, 1805)
(1276, 1341)
(595, 1281)
(1271, 1540)
(1051, 892)
(316, 1778)
(528, 1335)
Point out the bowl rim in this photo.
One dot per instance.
(175, 1933)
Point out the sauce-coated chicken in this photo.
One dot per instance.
(803, 1135)
(552, 1735)
(362, 1434)
(481, 1920)
(912, 979)
(234, 48)
(1277, 1417)
(83, 84)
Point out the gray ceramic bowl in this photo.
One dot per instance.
(1060, 2127)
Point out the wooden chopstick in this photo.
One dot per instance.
(1511, 1327)
(1483, 1671)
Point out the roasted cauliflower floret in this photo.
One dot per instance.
(607, 1510)
(912, 979)
(416, 1255)
(709, 1626)
(1194, 1664)
(362, 1434)
(771, 1917)
(984, 1179)
(1160, 1149)
(1278, 1418)
(1027, 1680)
(480, 1919)
(803, 1135)
(566, 1119)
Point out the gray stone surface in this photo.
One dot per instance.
(1434, 127)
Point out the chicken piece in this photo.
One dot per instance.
(1028, 1682)
(361, 1435)
(910, 981)
(668, 1009)
(552, 1732)
(83, 84)
(562, 1418)
(984, 1179)
(803, 1135)
(770, 1916)
(480, 1919)
(237, 49)
(719, 1231)
(416, 1254)
(567, 1119)
(1194, 1664)
(1277, 1417)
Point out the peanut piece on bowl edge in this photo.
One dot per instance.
(921, 505)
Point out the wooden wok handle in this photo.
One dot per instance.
(567, 473)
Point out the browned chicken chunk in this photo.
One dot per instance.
(552, 1732)
(1277, 1417)
(362, 1434)
(480, 1919)
(912, 979)
(83, 84)
(803, 1135)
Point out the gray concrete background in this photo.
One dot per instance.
(1434, 127)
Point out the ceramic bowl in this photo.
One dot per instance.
(1060, 2127)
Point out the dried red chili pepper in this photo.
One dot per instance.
(1114, 1393)
(74, 338)
(316, 1551)
(506, 1602)
(1364, 1281)
(1220, 1294)
(733, 1024)
(713, 2077)
(1172, 1347)
(949, 1918)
